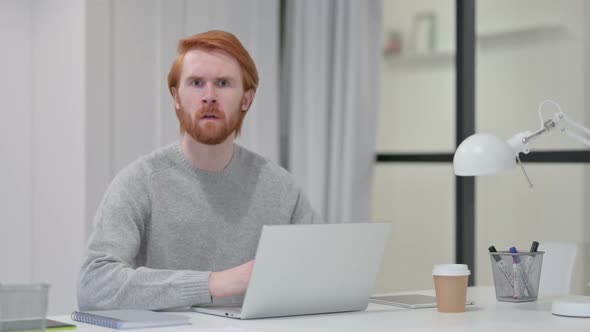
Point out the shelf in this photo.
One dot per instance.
(522, 31)
(421, 58)
(522, 34)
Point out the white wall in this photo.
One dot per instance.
(42, 140)
(16, 140)
(83, 93)
(58, 145)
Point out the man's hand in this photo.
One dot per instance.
(232, 281)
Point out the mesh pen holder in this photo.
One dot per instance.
(516, 275)
(23, 302)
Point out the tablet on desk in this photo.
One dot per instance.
(412, 301)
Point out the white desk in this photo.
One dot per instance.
(486, 315)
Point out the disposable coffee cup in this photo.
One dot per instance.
(450, 285)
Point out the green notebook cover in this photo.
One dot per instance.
(33, 325)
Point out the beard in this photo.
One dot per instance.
(206, 131)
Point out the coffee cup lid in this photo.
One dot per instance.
(450, 270)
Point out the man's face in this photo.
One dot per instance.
(210, 96)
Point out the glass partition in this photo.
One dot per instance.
(529, 51)
(415, 199)
(416, 117)
(417, 109)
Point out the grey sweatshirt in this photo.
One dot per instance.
(164, 225)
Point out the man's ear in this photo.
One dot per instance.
(175, 97)
(247, 100)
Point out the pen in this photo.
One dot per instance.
(515, 261)
(518, 271)
(501, 265)
(530, 259)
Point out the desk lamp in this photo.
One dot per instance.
(486, 154)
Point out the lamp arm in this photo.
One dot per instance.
(572, 128)
(520, 142)
(565, 125)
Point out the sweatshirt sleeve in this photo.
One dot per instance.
(110, 277)
(303, 212)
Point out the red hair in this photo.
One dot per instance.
(216, 40)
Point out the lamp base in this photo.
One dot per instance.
(572, 306)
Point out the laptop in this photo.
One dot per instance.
(311, 269)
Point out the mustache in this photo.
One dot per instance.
(210, 110)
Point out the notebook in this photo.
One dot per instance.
(129, 319)
(311, 269)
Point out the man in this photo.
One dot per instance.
(179, 227)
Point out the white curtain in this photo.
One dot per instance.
(331, 82)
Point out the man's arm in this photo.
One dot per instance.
(110, 278)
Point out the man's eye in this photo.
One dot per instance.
(223, 83)
(197, 83)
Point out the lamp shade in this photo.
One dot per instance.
(483, 154)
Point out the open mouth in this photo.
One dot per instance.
(209, 116)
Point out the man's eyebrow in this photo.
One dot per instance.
(227, 78)
(194, 77)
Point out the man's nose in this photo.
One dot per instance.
(209, 96)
